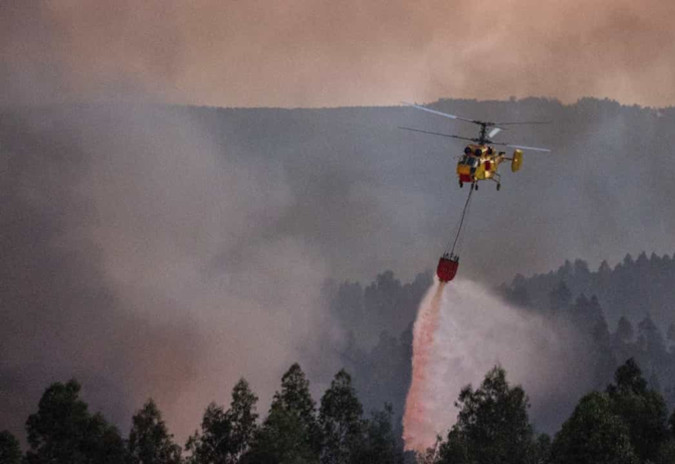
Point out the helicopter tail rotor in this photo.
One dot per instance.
(516, 161)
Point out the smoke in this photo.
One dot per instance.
(148, 254)
(474, 332)
(137, 257)
(154, 251)
(345, 53)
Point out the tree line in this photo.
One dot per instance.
(616, 312)
(635, 297)
(63, 431)
(626, 423)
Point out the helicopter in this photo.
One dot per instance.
(481, 160)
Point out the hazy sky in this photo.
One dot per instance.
(334, 53)
(167, 244)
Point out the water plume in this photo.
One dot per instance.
(462, 331)
(416, 424)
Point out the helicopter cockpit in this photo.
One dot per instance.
(470, 161)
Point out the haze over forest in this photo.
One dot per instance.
(196, 192)
(138, 234)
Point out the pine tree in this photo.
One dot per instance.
(624, 330)
(560, 297)
(10, 451)
(341, 424)
(492, 425)
(149, 440)
(650, 341)
(642, 410)
(211, 445)
(670, 336)
(604, 359)
(63, 431)
(225, 436)
(594, 434)
(242, 416)
(382, 444)
(290, 434)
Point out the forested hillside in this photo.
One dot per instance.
(634, 288)
(135, 233)
(628, 309)
(618, 313)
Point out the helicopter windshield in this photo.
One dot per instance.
(469, 161)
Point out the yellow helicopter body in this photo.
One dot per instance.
(481, 162)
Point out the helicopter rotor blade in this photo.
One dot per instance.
(440, 113)
(494, 132)
(521, 122)
(523, 147)
(437, 133)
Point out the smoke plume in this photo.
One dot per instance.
(137, 258)
(346, 53)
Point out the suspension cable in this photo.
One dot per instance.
(461, 221)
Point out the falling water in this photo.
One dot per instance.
(416, 424)
(462, 331)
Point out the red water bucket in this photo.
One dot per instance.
(447, 268)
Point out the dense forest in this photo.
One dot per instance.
(626, 311)
(133, 234)
(626, 423)
(618, 313)
(624, 418)
(294, 431)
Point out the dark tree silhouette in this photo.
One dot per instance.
(624, 330)
(341, 423)
(492, 425)
(642, 410)
(593, 435)
(518, 294)
(211, 445)
(560, 297)
(670, 335)
(242, 416)
(63, 431)
(651, 342)
(225, 436)
(542, 450)
(10, 451)
(149, 440)
(290, 433)
(382, 444)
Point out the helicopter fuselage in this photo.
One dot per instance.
(481, 162)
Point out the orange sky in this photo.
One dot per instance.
(348, 52)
